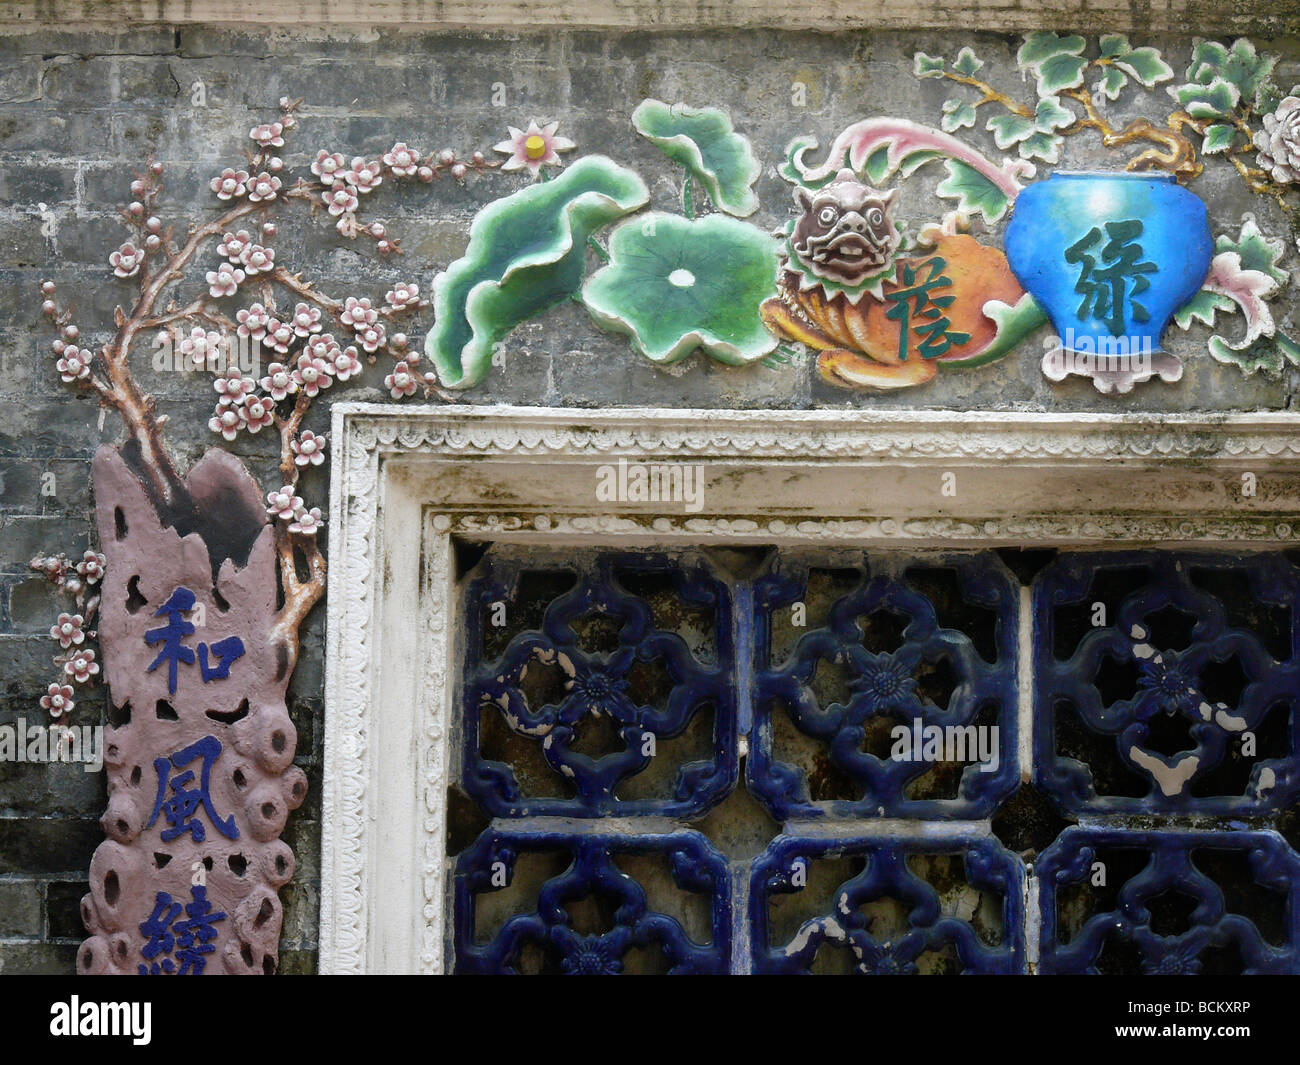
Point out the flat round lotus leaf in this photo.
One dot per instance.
(674, 285)
(527, 252)
(703, 141)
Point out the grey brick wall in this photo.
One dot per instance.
(80, 110)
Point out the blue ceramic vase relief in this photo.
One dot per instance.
(1110, 257)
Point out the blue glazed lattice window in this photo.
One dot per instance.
(710, 762)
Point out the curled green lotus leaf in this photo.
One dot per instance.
(673, 285)
(702, 140)
(527, 252)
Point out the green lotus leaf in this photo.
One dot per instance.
(703, 141)
(673, 285)
(527, 252)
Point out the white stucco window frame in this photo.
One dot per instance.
(407, 480)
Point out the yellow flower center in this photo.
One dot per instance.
(535, 147)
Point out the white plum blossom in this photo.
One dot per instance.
(58, 699)
(257, 259)
(263, 187)
(401, 382)
(232, 245)
(268, 135)
(230, 184)
(346, 363)
(91, 567)
(308, 449)
(283, 504)
(126, 260)
(74, 365)
(257, 414)
(358, 313)
(253, 321)
(401, 160)
(201, 345)
(224, 280)
(401, 295)
(364, 175)
(233, 388)
(312, 374)
(279, 335)
(340, 199)
(306, 319)
(226, 421)
(306, 522)
(279, 381)
(81, 666)
(68, 630)
(329, 166)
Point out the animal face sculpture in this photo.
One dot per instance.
(847, 231)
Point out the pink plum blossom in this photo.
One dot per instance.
(58, 699)
(306, 522)
(224, 280)
(126, 260)
(329, 166)
(263, 187)
(401, 382)
(340, 199)
(226, 421)
(402, 295)
(401, 160)
(230, 184)
(308, 449)
(364, 175)
(81, 666)
(283, 504)
(68, 630)
(257, 414)
(74, 365)
(279, 381)
(91, 567)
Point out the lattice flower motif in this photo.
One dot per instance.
(593, 873)
(934, 927)
(547, 689)
(1172, 695)
(882, 695)
(1210, 930)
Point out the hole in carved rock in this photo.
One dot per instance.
(135, 601)
(161, 859)
(229, 717)
(238, 864)
(220, 600)
(119, 523)
(112, 887)
(136, 775)
(119, 715)
(164, 711)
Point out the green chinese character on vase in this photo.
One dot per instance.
(1107, 288)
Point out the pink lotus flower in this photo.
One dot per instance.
(279, 381)
(257, 414)
(126, 260)
(306, 522)
(403, 295)
(306, 319)
(312, 374)
(257, 260)
(230, 184)
(341, 199)
(401, 382)
(91, 567)
(68, 630)
(268, 135)
(226, 421)
(81, 666)
(225, 280)
(534, 148)
(283, 504)
(308, 449)
(363, 175)
(74, 366)
(401, 160)
(58, 699)
(263, 187)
